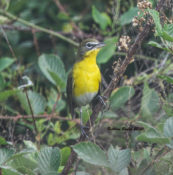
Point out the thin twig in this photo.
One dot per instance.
(36, 42)
(46, 116)
(9, 45)
(32, 113)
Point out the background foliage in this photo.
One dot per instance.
(132, 135)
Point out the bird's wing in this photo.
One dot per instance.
(69, 90)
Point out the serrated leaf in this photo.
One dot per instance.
(5, 62)
(150, 102)
(119, 159)
(4, 95)
(100, 18)
(152, 137)
(23, 164)
(168, 127)
(169, 29)
(53, 69)
(91, 153)
(121, 96)
(155, 44)
(167, 32)
(49, 160)
(38, 102)
(147, 126)
(7, 170)
(127, 17)
(5, 154)
(156, 18)
(59, 82)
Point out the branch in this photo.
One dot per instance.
(112, 85)
(51, 32)
(46, 116)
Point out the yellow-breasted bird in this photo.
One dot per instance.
(84, 80)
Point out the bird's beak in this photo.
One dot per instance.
(99, 45)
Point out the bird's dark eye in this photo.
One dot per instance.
(89, 45)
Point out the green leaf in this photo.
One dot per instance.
(155, 44)
(7, 170)
(107, 52)
(152, 137)
(52, 97)
(4, 95)
(5, 154)
(100, 18)
(156, 18)
(23, 164)
(168, 127)
(167, 78)
(49, 160)
(53, 69)
(169, 29)
(2, 141)
(119, 159)
(65, 153)
(91, 153)
(127, 17)
(2, 83)
(5, 62)
(150, 101)
(168, 130)
(121, 96)
(147, 126)
(30, 145)
(38, 102)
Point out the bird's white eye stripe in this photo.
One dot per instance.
(91, 44)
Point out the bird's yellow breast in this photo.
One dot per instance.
(86, 75)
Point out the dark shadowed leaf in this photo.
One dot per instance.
(5, 62)
(49, 160)
(4, 95)
(150, 102)
(119, 159)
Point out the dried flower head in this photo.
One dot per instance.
(142, 5)
(124, 43)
